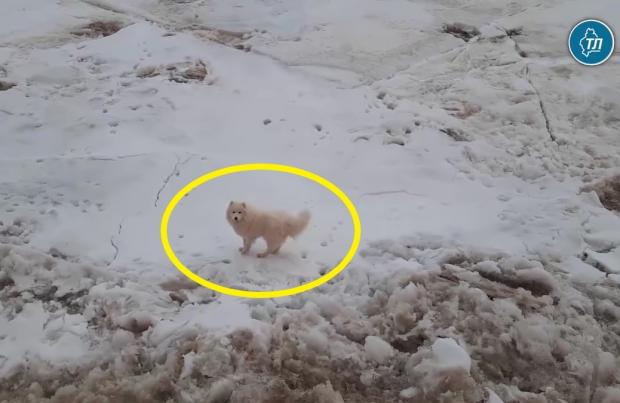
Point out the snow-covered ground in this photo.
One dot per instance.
(462, 131)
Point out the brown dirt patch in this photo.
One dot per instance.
(98, 29)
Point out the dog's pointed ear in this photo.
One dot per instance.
(230, 204)
(243, 204)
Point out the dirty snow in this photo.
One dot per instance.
(480, 157)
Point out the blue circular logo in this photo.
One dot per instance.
(591, 42)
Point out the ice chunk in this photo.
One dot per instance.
(606, 367)
(448, 354)
(493, 398)
(220, 391)
(315, 340)
(408, 393)
(610, 261)
(377, 349)
(537, 280)
(325, 393)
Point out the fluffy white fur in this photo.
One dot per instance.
(274, 227)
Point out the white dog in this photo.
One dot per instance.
(274, 227)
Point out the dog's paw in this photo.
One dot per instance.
(261, 255)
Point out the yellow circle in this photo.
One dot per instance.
(357, 230)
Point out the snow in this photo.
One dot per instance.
(408, 393)
(220, 391)
(377, 349)
(448, 354)
(493, 398)
(486, 272)
(609, 261)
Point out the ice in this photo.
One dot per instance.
(408, 393)
(450, 355)
(493, 398)
(377, 349)
(609, 261)
(220, 391)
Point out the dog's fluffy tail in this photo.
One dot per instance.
(298, 224)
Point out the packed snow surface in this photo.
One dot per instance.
(482, 159)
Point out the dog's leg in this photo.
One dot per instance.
(267, 251)
(273, 246)
(247, 244)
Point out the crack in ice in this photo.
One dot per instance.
(175, 169)
(526, 73)
(540, 102)
(114, 245)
